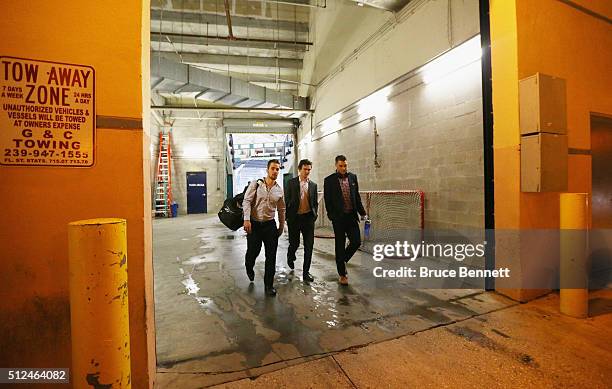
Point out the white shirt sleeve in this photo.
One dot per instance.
(249, 196)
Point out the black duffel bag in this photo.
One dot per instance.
(231, 212)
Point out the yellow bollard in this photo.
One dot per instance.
(574, 273)
(97, 250)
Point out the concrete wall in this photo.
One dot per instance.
(523, 43)
(430, 138)
(41, 201)
(359, 49)
(430, 135)
(197, 146)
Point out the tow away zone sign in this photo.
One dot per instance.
(47, 113)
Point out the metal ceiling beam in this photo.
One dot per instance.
(255, 130)
(302, 3)
(217, 49)
(260, 77)
(260, 123)
(255, 43)
(207, 18)
(232, 109)
(287, 126)
(237, 60)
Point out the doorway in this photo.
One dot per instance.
(196, 193)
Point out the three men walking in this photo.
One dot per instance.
(299, 203)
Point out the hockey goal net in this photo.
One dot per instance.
(395, 215)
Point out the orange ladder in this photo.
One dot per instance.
(163, 186)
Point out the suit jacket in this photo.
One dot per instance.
(334, 203)
(292, 198)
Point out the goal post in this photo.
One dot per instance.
(395, 215)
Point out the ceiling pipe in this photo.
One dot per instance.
(267, 119)
(233, 109)
(298, 3)
(229, 20)
(234, 38)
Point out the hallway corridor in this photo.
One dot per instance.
(211, 320)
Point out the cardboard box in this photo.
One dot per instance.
(544, 163)
(542, 105)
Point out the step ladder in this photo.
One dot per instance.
(163, 186)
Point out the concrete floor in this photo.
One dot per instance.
(213, 326)
(524, 346)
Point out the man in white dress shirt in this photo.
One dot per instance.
(261, 200)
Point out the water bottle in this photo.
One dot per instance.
(366, 228)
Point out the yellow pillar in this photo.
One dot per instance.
(97, 250)
(574, 275)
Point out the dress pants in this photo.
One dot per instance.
(266, 233)
(304, 224)
(346, 226)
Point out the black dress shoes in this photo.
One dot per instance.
(290, 264)
(251, 274)
(270, 291)
(307, 277)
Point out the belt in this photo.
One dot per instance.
(261, 222)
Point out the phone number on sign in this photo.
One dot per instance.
(45, 153)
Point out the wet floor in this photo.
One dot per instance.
(210, 319)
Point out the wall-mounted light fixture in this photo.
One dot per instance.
(331, 124)
(376, 103)
(452, 60)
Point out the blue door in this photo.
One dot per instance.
(196, 192)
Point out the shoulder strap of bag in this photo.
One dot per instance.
(256, 188)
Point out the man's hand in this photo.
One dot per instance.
(364, 217)
(247, 226)
(281, 229)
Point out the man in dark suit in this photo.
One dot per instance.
(343, 204)
(302, 205)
